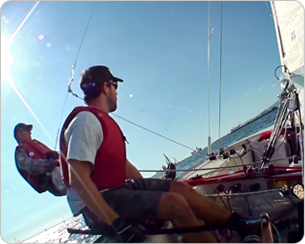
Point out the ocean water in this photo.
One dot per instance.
(59, 234)
(259, 124)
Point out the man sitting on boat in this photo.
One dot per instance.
(37, 163)
(106, 188)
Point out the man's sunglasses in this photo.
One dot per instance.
(25, 129)
(114, 83)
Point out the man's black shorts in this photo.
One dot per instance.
(137, 200)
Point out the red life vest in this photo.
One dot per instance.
(36, 150)
(109, 165)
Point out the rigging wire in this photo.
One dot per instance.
(71, 77)
(62, 112)
(144, 128)
(214, 168)
(154, 132)
(220, 74)
(195, 170)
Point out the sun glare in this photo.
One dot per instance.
(6, 59)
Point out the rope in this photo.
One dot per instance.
(71, 77)
(240, 194)
(180, 230)
(277, 232)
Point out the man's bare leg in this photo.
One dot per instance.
(174, 207)
(204, 208)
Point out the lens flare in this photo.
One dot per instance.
(6, 58)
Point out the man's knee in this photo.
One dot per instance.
(173, 204)
(181, 187)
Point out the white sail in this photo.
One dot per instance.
(288, 18)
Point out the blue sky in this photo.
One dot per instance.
(160, 50)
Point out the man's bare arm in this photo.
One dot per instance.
(81, 182)
(131, 171)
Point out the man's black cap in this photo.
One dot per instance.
(22, 126)
(96, 76)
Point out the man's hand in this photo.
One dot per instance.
(127, 231)
(131, 171)
(52, 155)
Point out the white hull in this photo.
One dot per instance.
(248, 195)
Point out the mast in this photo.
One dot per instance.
(210, 32)
(220, 76)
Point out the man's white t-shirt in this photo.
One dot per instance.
(83, 138)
